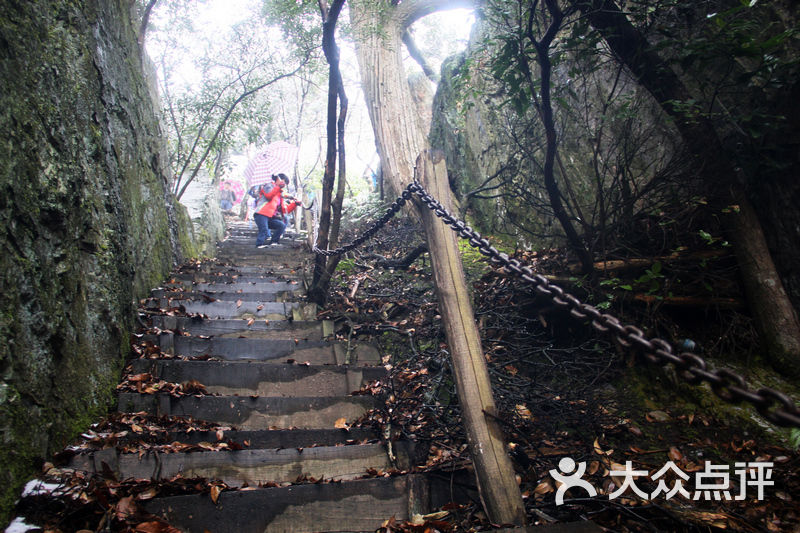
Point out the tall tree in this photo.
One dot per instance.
(379, 27)
(401, 137)
(330, 208)
(548, 30)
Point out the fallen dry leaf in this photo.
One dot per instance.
(599, 450)
(523, 411)
(125, 508)
(155, 527)
(215, 490)
(657, 416)
(675, 454)
(544, 487)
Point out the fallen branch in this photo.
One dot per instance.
(401, 264)
(690, 301)
(614, 265)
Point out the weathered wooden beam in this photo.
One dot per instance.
(495, 475)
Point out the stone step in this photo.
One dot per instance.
(234, 328)
(249, 236)
(243, 309)
(214, 272)
(250, 467)
(266, 380)
(566, 527)
(282, 253)
(274, 438)
(236, 285)
(247, 232)
(178, 296)
(253, 260)
(273, 350)
(240, 439)
(353, 506)
(251, 412)
(216, 281)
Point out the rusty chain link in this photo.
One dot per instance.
(731, 387)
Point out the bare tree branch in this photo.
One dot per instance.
(145, 19)
(416, 54)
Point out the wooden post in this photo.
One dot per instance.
(495, 475)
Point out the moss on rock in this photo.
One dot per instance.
(88, 221)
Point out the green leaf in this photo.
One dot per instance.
(794, 437)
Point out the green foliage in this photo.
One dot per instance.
(652, 278)
(794, 438)
(216, 100)
(346, 266)
(613, 285)
(745, 58)
(300, 21)
(475, 264)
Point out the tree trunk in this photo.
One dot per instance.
(379, 26)
(496, 482)
(379, 49)
(546, 111)
(773, 313)
(769, 304)
(324, 266)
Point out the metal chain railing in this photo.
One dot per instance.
(390, 212)
(731, 387)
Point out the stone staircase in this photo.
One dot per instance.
(265, 408)
(275, 384)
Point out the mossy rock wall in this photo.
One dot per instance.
(87, 222)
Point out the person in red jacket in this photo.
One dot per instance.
(271, 211)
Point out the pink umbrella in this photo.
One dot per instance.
(275, 158)
(236, 187)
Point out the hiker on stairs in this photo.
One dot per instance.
(271, 211)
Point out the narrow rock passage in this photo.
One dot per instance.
(239, 415)
(276, 386)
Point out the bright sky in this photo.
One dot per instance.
(225, 13)
(212, 18)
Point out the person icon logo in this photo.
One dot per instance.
(566, 466)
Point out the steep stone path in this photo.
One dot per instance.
(275, 385)
(242, 394)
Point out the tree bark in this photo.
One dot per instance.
(384, 81)
(774, 316)
(324, 266)
(145, 19)
(379, 27)
(496, 481)
(546, 110)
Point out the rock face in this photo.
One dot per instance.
(87, 222)
(615, 143)
(495, 149)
